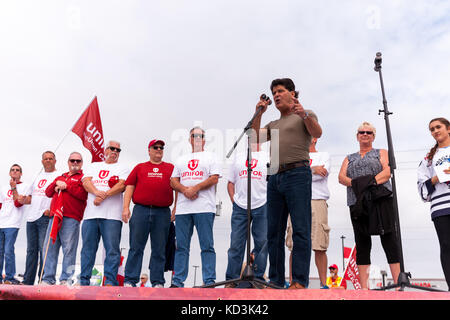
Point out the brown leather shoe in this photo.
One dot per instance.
(296, 285)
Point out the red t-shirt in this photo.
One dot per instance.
(152, 184)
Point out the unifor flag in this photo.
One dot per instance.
(351, 272)
(56, 210)
(89, 129)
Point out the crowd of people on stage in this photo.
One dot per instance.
(288, 206)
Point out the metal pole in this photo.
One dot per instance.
(343, 253)
(392, 163)
(195, 274)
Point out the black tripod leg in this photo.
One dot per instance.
(265, 284)
(218, 284)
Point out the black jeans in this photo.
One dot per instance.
(363, 242)
(442, 225)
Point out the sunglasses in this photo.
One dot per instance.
(197, 135)
(114, 149)
(157, 147)
(15, 169)
(365, 132)
(75, 160)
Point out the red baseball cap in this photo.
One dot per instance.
(155, 141)
(333, 266)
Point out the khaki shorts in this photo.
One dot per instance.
(320, 231)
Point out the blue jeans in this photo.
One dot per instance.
(239, 240)
(36, 231)
(289, 192)
(147, 221)
(8, 238)
(67, 239)
(184, 227)
(110, 231)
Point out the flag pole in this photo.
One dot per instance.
(46, 251)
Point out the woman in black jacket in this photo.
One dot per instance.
(372, 164)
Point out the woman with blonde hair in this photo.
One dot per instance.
(368, 171)
(433, 181)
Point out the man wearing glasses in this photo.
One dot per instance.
(105, 183)
(74, 197)
(11, 213)
(194, 178)
(38, 216)
(148, 185)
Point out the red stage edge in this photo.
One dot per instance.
(58, 292)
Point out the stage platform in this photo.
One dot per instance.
(58, 292)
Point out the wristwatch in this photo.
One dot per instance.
(306, 115)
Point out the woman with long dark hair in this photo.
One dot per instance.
(434, 168)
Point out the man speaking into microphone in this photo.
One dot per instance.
(289, 183)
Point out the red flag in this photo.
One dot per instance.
(56, 210)
(121, 272)
(351, 272)
(89, 129)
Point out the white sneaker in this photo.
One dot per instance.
(158, 286)
(127, 284)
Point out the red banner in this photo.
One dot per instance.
(89, 129)
(351, 272)
(56, 210)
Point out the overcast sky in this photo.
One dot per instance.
(160, 67)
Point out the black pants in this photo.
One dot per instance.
(363, 243)
(442, 225)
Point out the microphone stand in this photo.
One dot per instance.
(248, 274)
(403, 278)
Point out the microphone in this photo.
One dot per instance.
(266, 98)
(378, 61)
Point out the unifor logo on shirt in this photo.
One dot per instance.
(103, 174)
(254, 163)
(9, 193)
(155, 173)
(42, 183)
(193, 164)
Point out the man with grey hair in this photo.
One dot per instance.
(69, 197)
(105, 183)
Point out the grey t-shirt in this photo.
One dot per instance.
(293, 138)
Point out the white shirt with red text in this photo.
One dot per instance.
(10, 215)
(192, 169)
(111, 207)
(39, 201)
(237, 175)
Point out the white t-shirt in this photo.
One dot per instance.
(237, 175)
(39, 201)
(320, 184)
(10, 215)
(111, 207)
(192, 169)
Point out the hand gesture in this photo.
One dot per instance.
(297, 108)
